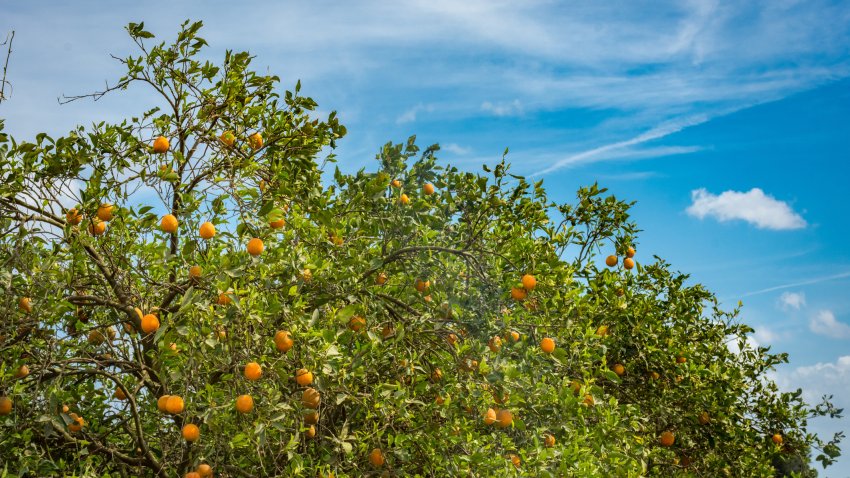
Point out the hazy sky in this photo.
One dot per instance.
(727, 122)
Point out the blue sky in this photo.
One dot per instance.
(727, 122)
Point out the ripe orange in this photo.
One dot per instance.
(666, 439)
(654, 375)
(204, 470)
(396, 183)
(168, 223)
(192, 474)
(547, 345)
(629, 263)
(451, 339)
(73, 217)
(516, 461)
(5, 405)
(514, 335)
(437, 375)
(681, 359)
(277, 224)
(227, 138)
(22, 371)
(253, 371)
(504, 418)
(602, 330)
(311, 398)
(244, 403)
(255, 140)
(191, 432)
(311, 418)
(381, 278)
(439, 400)
(576, 387)
(422, 285)
(404, 199)
(224, 298)
(255, 247)
(777, 438)
(303, 377)
(428, 189)
(77, 424)
(162, 402)
(207, 230)
(173, 347)
(161, 145)
(631, 252)
(150, 323)
(97, 227)
(490, 416)
(104, 212)
(174, 404)
(611, 261)
(703, 418)
(283, 341)
(306, 275)
(549, 440)
(65, 409)
(119, 394)
(376, 458)
(495, 344)
(588, 400)
(619, 369)
(195, 271)
(25, 305)
(528, 282)
(357, 323)
(518, 293)
(311, 432)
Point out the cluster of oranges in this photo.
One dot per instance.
(628, 261)
(403, 199)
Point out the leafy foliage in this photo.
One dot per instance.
(413, 318)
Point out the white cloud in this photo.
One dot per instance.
(409, 116)
(792, 300)
(456, 149)
(765, 336)
(824, 323)
(753, 206)
(512, 108)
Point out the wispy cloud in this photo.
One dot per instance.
(816, 280)
(753, 206)
(456, 149)
(409, 116)
(511, 108)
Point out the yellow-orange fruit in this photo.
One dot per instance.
(547, 345)
(97, 227)
(168, 223)
(619, 369)
(150, 323)
(404, 199)
(5, 405)
(207, 230)
(277, 224)
(192, 474)
(777, 438)
(253, 371)
(611, 261)
(666, 439)
(22, 371)
(490, 416)
(451, 339)
(357, 323)
(518, 293)
(227, 138)
(104, 212)
(25, 304)
(396, 183)
(224, 298)
(161, 145)
(504, 418)
(303, 377)
(703, 418)
(515, 460)
(204, 470)
(428, 189)
(311, 418)
(195, 271)
(73, 217)
(630, 252)
(681, 359)
(311, 398)
(602, 330)
(174, 404)
(495, 344)
(191, 432)
(381, 278)
(255, 140)
(161, 403)
(528, 282)
(376, 458)
(629, 263)
(311, 432)
(255, 246)
(77, 424)
(549, 440)
(283, 341)
(422, 285)
(244, 403)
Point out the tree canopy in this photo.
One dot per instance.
(184, 294)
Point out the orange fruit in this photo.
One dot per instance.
(77, 424)
(495, 344)
(631, 252)
(588, 400)
(451, 339)
(283, 341)
(168, 223)
(516, 461)
(191, 432)
(611, 261)
(681, 359)
(357, 323)
(549, 440)
(311, 432)
(547, 345)
(244, 403)
(666, 439)
(150, 323)
(73, 217)
(104, 212)
(381, 278)
(528, 282)
(174, 404)
(195, 271)
(255, 247)
(654, 375)
(303, 377)
(277, 224)
(576, 387)
(403, 199)
(162, 402)
(25, 304)
(204, 470)
(119, 394)
(619, 369)
(253, 371)
(207, 230)
(490, 416)
(602, 330)
(629, 263)
(97, 227)
(504, 418)
(224, 298)
(65, 409)
(22, 371)
(255, 140)
(5, 405)
(439, 400)
(376, 458)
(192, 474)
(161, 145)
(437, 375)
(514, 335)
(428, 189)
(422, 285)
(306, 275)
(173, 347)
(777, 438)
(396, 183)
(311, 398)
(518, 293)
(227, 138)
(262, 185)
(311, 418)
(703, 418)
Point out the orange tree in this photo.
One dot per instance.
(185, 295)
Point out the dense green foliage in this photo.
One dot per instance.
(399, 383)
